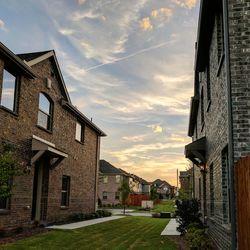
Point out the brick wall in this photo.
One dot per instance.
(80, 164)
(111, 187)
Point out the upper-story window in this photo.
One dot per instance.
(79, 132)
(202, 108)
(105, 179)
(45, 112)
(220, 31)
(117, 178)
(9, 93)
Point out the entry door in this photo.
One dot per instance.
(40, 191)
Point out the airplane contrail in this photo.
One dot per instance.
(128, 56)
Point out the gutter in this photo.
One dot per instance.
(230, 127)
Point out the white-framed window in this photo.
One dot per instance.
(65, 191)
(9, 91)
(45, 112)
(117, 179)
(104, 195)
(117, 195)
(79, 132)
(105, 179)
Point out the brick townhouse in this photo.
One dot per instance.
(57, 145)
(220, 120)
(110, 180)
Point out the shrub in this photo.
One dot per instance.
(187, 213)
(197, 238)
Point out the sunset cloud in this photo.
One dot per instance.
(146, 24)
(162, 12)
(66, 32)
(189, 4)
(2, 24)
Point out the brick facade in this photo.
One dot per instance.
(82, 162)
(211, 119)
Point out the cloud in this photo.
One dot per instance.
(136, 138)
(156, 128)
(81, 2)
(162, 12)
(146, 24)
(66, 31)
(2, 24)
(189, 4)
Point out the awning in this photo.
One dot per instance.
(196, 151)
(42, 147)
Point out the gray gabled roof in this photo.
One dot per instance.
(107, 168)
(14, 63)
(36, 57)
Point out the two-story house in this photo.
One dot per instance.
(57, 145)
(110, 180)
(220, 121)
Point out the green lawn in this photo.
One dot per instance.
(127, 233)
(165, 206)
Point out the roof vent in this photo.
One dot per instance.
(48, 82)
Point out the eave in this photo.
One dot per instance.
(14, 64)
(82, 117)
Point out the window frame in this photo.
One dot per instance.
(82, 125)
(15, 96)
(104, 197)
(116, 179)
(117, 195)
(67, 191)
(49, 116)
(105, 179)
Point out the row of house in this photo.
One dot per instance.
(111, 179)
(219, 122)
(57, 145)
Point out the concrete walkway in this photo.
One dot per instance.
(85, 223)
(129, 212)
(170, 229)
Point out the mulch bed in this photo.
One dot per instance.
(179, 241)
(24, 234)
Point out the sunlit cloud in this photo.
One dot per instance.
(66, 32)
(146, 24)
(81, 2)
(157, 128)
(189, 4)
(2, 24)
(136, 138)
(162, 12)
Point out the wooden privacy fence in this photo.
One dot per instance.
(136, 199)
(242, 188)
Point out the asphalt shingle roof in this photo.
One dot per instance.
(107, 168)
(30, 56)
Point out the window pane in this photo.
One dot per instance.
(3, 203)
(78, 131)
(43, 120)
(44, 103)
(8, 91)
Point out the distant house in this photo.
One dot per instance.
(56, 144)
(110, 180)
(164, 189)
(139, 185)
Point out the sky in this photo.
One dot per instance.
(127, 64)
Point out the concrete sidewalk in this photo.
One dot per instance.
(85, 223)
(170, 229)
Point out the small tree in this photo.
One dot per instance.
(153, 193)
(9, 167)
(125, 190)
(188, 212)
